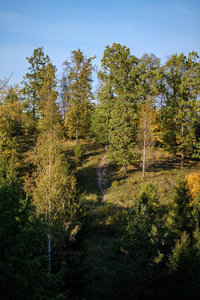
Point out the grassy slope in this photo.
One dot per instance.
(102, 219)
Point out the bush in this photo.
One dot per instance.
(148, 196)
(79, 150)
(115, 183)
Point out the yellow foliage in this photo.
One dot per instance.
(193, 184)
(10, 108)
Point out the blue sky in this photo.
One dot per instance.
(61, 26)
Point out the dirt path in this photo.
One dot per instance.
(101, 173)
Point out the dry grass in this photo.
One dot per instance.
(161, 172)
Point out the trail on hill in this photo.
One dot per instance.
(101, 174)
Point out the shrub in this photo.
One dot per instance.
(79, 150)
(115, 183)
(148, 196)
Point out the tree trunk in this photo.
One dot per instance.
(76, 136)
(144, 145)
(174, 157)
(77, 132)
(49, 250)
(144, 158)
(182, 157)
(49, 219)
(125, 169)
(182, 151)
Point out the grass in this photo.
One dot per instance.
(103, 220)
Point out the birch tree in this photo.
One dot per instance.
(146, 131)
(54, 187)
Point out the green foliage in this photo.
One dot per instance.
(54, 195)
(9, 159)
(141, 247)
(22, 270)
(79, 150)
(78, 79)
(181, 217)
(35, 82)
(184, 267)
(148, 196)
(11, 108)
(100, 123)
(179, 111)
(115, 183)
(118, 101)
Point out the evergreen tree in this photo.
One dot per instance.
(22, 270)
(181, 217)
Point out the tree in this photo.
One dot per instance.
(181, 216)
(118, 97)
(54, 191)
(102, 114)
(78, 95)
(193, 184)
(141, 259)
(11, 108)
(22, 270)
(179, 111)
(148, 66)
(4, 82)
(146, 130)
(34, 82)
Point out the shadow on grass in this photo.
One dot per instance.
(168, 164)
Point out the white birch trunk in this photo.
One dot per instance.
(144, 145)
(182, 151)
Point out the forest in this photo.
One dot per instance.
(100, 191)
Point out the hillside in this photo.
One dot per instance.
(104, 219)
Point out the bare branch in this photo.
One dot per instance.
(4, 82)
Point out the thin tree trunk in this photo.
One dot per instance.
(49, 248)
(144, 144)
(174, 156)
(76, 136)
(125, 169)
(144, 157)
(77, 132)
(182, 151)
(49, 219)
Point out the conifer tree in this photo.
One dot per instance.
(22, 270)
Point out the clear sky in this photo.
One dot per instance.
(61, 26)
